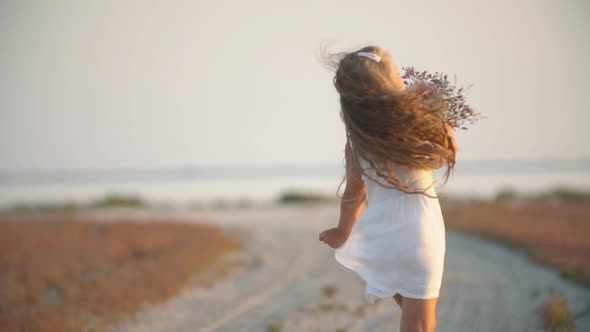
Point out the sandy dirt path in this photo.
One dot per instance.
(486, 287)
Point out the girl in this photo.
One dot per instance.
(396, 137)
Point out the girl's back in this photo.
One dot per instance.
(379, 190)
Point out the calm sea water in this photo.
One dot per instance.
(205, 185)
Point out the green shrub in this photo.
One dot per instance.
(119, 200)
(505, 195)
(294, 196)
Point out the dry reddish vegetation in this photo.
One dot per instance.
(554, 233)
(60, 275)
(556, 314)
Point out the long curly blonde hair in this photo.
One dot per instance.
(390, 126)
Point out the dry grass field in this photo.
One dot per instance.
(59, 274)
(553, 233)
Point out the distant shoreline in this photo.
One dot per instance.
(287, 196)
(288, 170)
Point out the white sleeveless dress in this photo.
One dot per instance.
(397, 244)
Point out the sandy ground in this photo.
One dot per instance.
(486, 287)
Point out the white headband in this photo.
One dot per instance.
(368, 55)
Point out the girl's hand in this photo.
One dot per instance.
(334, 237)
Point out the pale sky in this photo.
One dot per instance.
(106, 84)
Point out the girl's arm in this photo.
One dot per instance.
(351, 204)
(354, 193)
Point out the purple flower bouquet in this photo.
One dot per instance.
(458, 113)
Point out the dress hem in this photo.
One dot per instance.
(372, 297)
